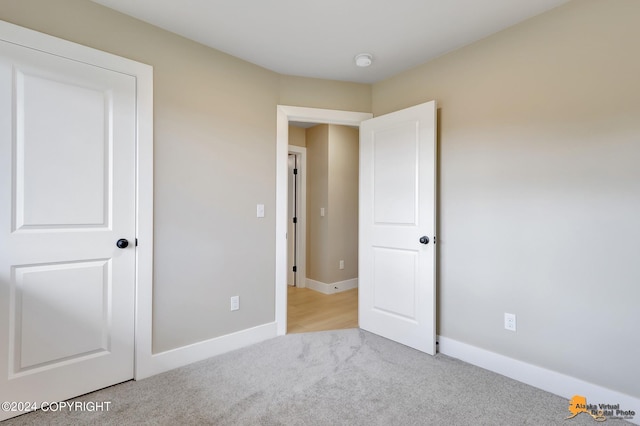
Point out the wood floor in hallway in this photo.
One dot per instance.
(309, 310)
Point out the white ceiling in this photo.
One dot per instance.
(320, 38)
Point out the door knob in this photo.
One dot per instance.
(122, 243)
(424, 240)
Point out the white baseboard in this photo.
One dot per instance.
(179, 357)
(332, 288)
(541, 378)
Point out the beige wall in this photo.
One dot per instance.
(540, 189)
(317, 197)
(297, 136)
(214, 141)
(343, 202)
(317, 93)
(332, 183)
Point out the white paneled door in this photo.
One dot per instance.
(397, 226)
(67, 196)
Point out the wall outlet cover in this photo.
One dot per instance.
(510, 321)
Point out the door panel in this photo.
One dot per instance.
(398, 267)
(61, 313)
(46, 173)
(397, 207)
(394, 186)
(67, 194)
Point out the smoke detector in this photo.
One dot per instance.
(363, 60)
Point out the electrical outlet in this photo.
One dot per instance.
(510, 322)
(235, 303)
(342, 264)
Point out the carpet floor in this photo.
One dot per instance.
(342, 377)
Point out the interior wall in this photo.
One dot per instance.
(540, 189)
(343, 201)
(297, 136)
(332, 184)
(317, 139)
(318, 93)
(215, 145)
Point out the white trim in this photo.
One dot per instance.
(282, 144)
(284, 114)
(332, 288)
(301, 261)
(539, 377)
(144, 165)
(324, 116)
(35, 40)
(144, 222)
(185, 355)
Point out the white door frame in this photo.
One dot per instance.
(144, 168)
(305, 115)
(301, 234)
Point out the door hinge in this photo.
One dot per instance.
(295, 220)
(295, 269)
(136, 242)
(295, 171)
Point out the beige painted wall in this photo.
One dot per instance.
(297, 136)
(211, 166)
(343, 202)
(332, 183)
(317, 93)
(317, 197)
(540, 189)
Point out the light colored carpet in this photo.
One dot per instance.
(343, 377)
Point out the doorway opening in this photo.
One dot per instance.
(296, 216)
(322, 233)
(285, 114)
(292, 235)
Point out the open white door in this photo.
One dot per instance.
(67, 195)
(397, 209)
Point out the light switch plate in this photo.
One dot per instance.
(235, 303)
